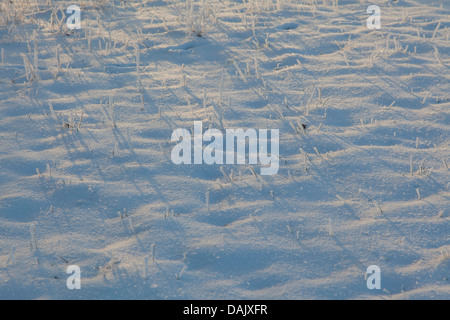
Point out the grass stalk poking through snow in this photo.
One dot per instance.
(240, 71)
(436, 30)
(146, 268)
(178, 276)
(436, 54)
(11, 259)
(111, 111)
(33, 237)
(153, 252)
(138, 66)
(330, 229)
(221, 88)
(89, 39)
(411, 165)
(29, 69)
(130, 221)
(52, 111)
(58, 57)
(35, 56)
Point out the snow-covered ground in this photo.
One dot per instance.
(86, 176)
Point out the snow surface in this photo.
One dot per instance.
(91, 182)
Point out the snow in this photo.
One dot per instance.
(91, 182)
